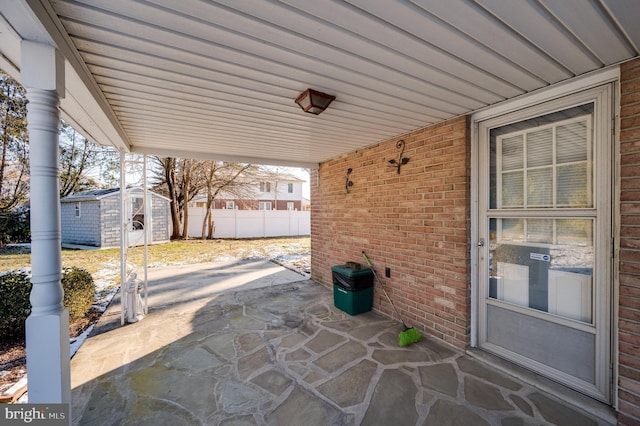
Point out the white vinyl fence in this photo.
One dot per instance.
(251, 223)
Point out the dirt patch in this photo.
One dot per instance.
(78, 327)
(13, 359)
(13, 356)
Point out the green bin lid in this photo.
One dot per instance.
(344, 270)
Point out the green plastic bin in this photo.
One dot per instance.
(352, 289)
(353, 302)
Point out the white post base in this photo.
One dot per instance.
(48, 358)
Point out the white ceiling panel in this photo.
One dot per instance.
(218, 79)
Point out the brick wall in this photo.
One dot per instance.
(282, 205)
(629, 260)
(416, 223)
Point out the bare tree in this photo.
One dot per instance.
(82, 162)
(14, 165)
(168, 178)
(183, 179)
(228, 178)
(192, 183)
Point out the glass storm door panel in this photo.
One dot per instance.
(136, 212)
(544, 217)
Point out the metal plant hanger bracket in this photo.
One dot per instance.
(348, 183)
(401, 160)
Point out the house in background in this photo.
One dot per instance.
(92, 218)
(273, 192)
(271, 207)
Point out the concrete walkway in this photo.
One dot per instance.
(250, 343)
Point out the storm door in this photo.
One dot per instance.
(544, 239)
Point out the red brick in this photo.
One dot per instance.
(632, 134)
(629, 385)
(629, 268)
(630, 338)
(630, 110)
(626, 420)
(629, 290)
(629, 314)
(630, 83)
(630, 409)
(630, 68)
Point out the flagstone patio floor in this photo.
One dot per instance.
(251, 343)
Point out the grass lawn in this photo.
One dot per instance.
(174, 253)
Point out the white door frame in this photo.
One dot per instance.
(540, 97)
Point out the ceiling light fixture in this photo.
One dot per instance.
(313, 101)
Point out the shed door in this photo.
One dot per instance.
(545, 239)
(136, 215)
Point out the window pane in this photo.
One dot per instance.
(576, 232)
(540, 231)
(555, 278)
(512, 230)
(512, 189)
(543, 162)
(512, 150)
(540, 148)
(572, 186)
(572, 142)
(540, 187)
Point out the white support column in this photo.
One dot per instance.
(47, 336)
(124, 243)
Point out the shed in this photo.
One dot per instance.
(92, 218)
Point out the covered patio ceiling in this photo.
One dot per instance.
(218, 79)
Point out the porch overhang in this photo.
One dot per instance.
(218, 80)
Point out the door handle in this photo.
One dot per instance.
(481, 242)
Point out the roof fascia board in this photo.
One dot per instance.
(223, 157)
(84, 95)
(71, 199)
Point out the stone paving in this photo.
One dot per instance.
(282, 354)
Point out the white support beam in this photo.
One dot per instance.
(47, 335)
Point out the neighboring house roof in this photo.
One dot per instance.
(98, 194)
(271, 177)
(284, 177)
(253, 182)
